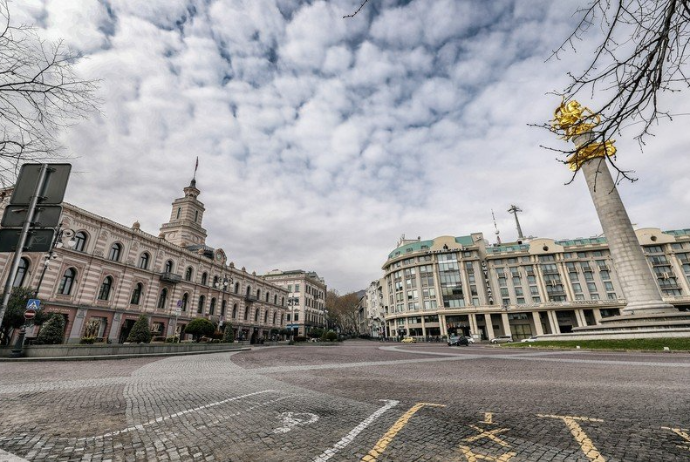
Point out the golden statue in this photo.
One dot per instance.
(572, 119)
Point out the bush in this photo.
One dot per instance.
(172, 339)
(140, 332)
(87, 340)
(315, 333)
(331, 336)
(159, 338)
(200, 327)
(365, 336)
(229, 334)
(217, 335)
(52, 332)
(300, 338)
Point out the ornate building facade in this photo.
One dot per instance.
(102, 276)
(528, 288)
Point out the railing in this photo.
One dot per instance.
(250, 299)
(170, 277)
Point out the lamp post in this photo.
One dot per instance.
(291, 304)
(57, 244)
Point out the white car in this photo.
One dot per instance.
(529, 340)
(502, 339)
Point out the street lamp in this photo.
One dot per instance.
(291, 303)
(57, 244)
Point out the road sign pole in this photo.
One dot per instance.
(22, 242)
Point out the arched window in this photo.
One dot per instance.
(237, 287)
(80, 241)
(179, 209)
(222, 307)
(246, 313)
(168, 266)
(215, 282)
(115, 252)
(162, 298)
(267, 297)
(196, 216)
(136, 294)
(212, 308)
(265, 316)
(104, 293)
(275, 299)
(234, 311)
(282, 301)
(144, 259)
(249, 290)
(67, 281)
(21, 272)
(204, 278)
(202, 301)
(274, 317)
(185, 301)
(258, 294)
(256, 315)
(188, 274)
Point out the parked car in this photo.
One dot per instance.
(529, 340)
(409, 340)
(458, 340)
(502, 339)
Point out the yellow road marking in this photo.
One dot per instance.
(472, 457)
(683, 434)
(386, 439)
(580, 436)
(488, 418)
(488, 434)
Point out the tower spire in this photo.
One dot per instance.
(514, 209)
(497, 232)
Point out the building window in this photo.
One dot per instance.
(196, 216)
(202, 301)
(296, 287)
(115, 252)
(222, 307)
(168, 266)
(212, 308)
(246, 313)
(144, 261)
(104, 293)
(256, 315)
(179, 210)
(234, 311)
(265, 316)
(79, 241)
(67, 282)
(274, 318)
(237, 287)
(136, 294)
(185, 301)
(204, 278)
(188, 274)
(21, 272)
(162, 298)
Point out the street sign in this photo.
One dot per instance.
(33, 304)
(29, 314)
(45, 216)
(39, 240)
(54, 186)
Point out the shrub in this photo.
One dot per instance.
(365, 336)
(140, 332)
(229, 334)
(52, 332)
(300, 338)
(217, 335)
(159, 338)
(199, 327)
(87, 340)
(315, 333)
(172, 339)
(331, 336)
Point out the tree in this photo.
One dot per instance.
(14, 316)
(643, 54)
(39, 94)
(342, 309)
(199, 327)
(140, 333)
(229, 334)
(53, 331)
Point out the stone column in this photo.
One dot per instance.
(536, 319)
(506, 324)
(634, 273)
(489, 326)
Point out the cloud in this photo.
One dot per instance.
(321, 139)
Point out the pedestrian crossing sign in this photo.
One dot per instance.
(33, 304)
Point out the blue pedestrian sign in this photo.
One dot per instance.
(33, 304)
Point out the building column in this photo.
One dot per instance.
(489, 326)
(115, 327)
(77, 326)
(597, 315)
(580, 318)
(506, 324)
(536, 319)
(553, 322)
(474, 329)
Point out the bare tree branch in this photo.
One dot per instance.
(358, 10)
(39, 94)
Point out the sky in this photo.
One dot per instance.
(322, 140)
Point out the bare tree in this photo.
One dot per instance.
(643, 53)
(39, 94)
(342, 310)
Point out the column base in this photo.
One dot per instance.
(648, 307)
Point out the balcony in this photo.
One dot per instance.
(250, 299)
(171, 277)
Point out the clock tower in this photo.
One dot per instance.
(184, 228)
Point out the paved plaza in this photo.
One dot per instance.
(356, 401)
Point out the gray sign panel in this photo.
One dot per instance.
(39, 240)
(45, 216)
(53, 190)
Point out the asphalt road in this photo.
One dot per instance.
(357, 401)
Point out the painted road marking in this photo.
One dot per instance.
(490, 434)
(683, 434)
(9, 457)
(488, 418)
(189, 411)
(397, 426)
(580, 436)
(293, 419)
(347, 439)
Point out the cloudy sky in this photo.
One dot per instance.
(321, 140)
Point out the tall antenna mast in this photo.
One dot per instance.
(514, 209)
(497, 232)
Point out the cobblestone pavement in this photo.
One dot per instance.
(361, 400)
